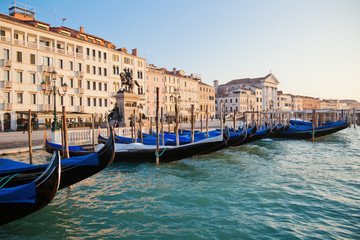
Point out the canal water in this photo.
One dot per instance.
(269, 189)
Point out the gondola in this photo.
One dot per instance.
(138, 153)
(21, 200)
(74, 169)
(304, 131)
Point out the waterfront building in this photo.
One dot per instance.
(236, 99)
(296, 102)
(155, 78)
(90, 66)
(268, 85)
(310, 103)
(206, 99)
(284, 101)
(329, 104)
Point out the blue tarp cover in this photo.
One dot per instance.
(11, 166)
(20, 194)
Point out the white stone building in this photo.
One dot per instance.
(30, 50)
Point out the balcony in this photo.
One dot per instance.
(80, 74)
(47, 107)
(7, 84)
(6, 63)
(7, 106)
(32, 44)
(47, 48)
(80, 90)
(19, 42)
(79, 55)
(61, 51)
(45, 68)
(5, 39)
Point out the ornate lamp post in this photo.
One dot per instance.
(54, 91)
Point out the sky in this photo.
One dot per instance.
(311, 46)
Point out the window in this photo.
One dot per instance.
(72, 101)
(19, 98)
(61, 81)
(94, 101)
(94, 53)
(71, 82)
(99, 72)
(89, 102)
(19, 56)
(105, 87)
(79, 84)
(105, 55)
(105, 102)
(6, 54)
(61, 64)
(88, 84)
(79, 66)
(88, 51)
(62, 100)
(71, 65)
(32, 58)
(94, 70)
(100, 102)
(94, 85)
(99, 54)
(33, 78)
(99, 86)
(20, 77)
(87, 68)
(80, 101)
(6, 75)
(105, 72)
(33, 98)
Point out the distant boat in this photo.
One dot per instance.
(21, 200)
(303, 130)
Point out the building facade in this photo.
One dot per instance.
(90, 66)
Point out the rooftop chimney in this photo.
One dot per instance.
(174, 70)
(134, 52)
(81, 29)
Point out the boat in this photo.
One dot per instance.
(23, 199)
(73, 169)
(304, 130)
(139, 153)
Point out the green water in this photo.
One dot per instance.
(270, 189)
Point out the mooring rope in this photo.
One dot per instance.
(8, 179)
(160, 153)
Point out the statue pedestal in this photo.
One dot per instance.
(127, 103)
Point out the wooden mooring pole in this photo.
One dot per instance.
(234, 121)
(192, 122)
(162, 127)
(92, 129)
(354, 111)
(29, 136)
(313, 124)
(207, 122)
(177, 125)
(157, 126)
(140, 128)
(66, 149)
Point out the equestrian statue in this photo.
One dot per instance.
(127, 81)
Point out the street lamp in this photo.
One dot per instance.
(54, 90)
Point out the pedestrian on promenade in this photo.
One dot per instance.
(25, 127)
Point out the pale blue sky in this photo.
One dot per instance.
(311, 46)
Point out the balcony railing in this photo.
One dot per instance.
(7, 106)
(5, 62)
(61, 51)
(19, 42)
(47, 107)
(32, 44)
(5, 39)
(80, 90)
(80, 74)
(47, 48)
(45, 68)
(7, 84)
(79, 55)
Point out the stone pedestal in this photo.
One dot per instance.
(56, 137)
(127, 102)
